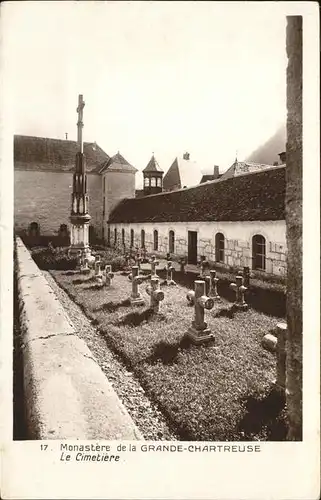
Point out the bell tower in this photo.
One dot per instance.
(153, 177)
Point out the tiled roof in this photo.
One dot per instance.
(118, 163)
(182, 173)
(209, 177)
(41, 153)
(152, 166)
(242, 167)
(255, 196)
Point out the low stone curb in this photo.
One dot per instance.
(66, 394)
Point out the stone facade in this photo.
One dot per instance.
(237, 240)
(45, 198)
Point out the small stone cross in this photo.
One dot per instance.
(169, 273)
(199, 331)
(97, 268)
(136, 298)
(153, 264)
(213, 285)
(85, 268)
(108, 275)
(239, 289)
(182, 263)
(155, 293)
(246, 276)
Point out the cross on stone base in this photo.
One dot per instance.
(108, 275)
(182, 263)
(153, 264)
(213, 286)
(199, 332)
(85, 269)
(155, 293)
(136, 298)
(239, 289)
(169, 274)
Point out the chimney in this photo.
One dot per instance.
(66, 134)
(186, 156)
(282, 157)
(216, 172)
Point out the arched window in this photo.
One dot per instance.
(171, 242)
(115, 235)
(155, 239)
(219, 247)
(258, 252)
(146, 181)
(123, 236)
(63, 231)
(34, 229)
(132, 237)
(142, 238)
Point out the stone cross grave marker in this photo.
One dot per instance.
(199, 332)
(213, 285)
(182, 263)
(85, 268)
(155, 293)
(153, 264)
(79, 259)
(136, 298)
(169, 273)
(108, 275)
(97, 267)
(144, 254)
(239, 289)
(246, 276)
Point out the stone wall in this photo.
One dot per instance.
(45, 198)
(238, 240)
(66, 395)
(115, 187)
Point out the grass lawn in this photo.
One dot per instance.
(217, 392)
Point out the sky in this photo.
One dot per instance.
(157, 77)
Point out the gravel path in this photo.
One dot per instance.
(145, 414)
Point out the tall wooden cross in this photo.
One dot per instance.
(81, 105)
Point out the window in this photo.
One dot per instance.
(159, 181)
(132, 237)
(34, 229)
(153, 182)
(146, 181)
(155, 239)
(258, 252)
(219, 247)
(142, 238)
(123, 236)
(171, 242)
(115, 235)
(63, 230)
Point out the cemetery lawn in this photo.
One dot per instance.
(218, 392)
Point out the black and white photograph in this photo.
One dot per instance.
(153, 248)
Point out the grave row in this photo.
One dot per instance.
(202, 298)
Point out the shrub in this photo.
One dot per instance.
(53, 258)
